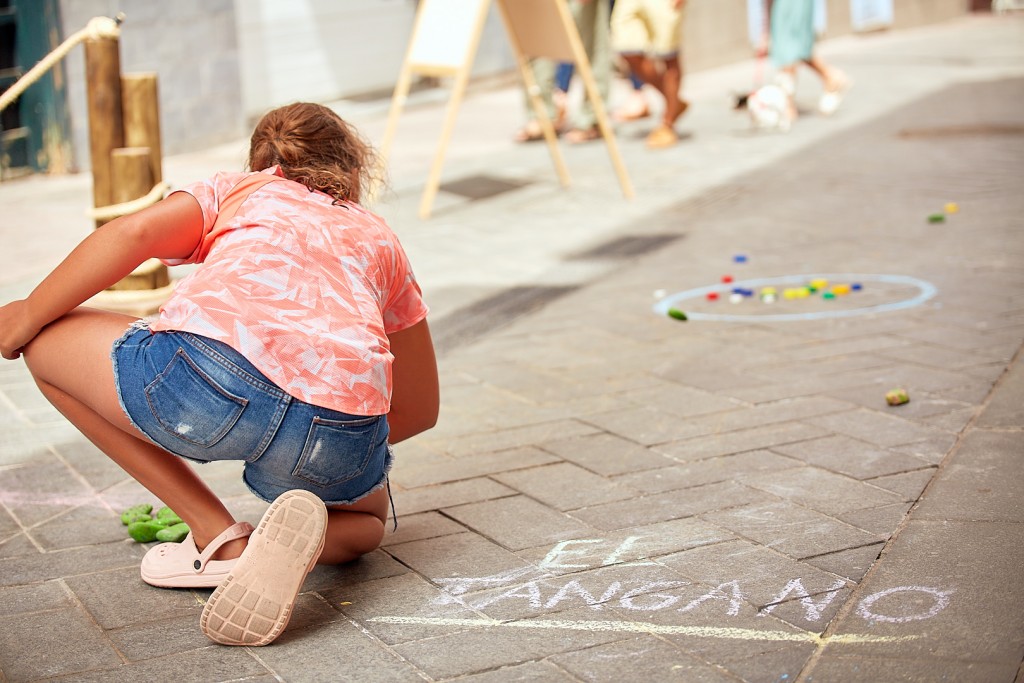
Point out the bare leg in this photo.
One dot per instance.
(70, 360)
(355, 530)
(671, 81)
(831, 78)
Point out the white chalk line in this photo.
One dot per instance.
(926, 291)
(641, 627)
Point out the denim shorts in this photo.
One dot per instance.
(202, 400)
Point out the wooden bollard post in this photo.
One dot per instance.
(132, 178)
(103, 97)
(141, 112)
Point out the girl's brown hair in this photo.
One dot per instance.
(314, 146)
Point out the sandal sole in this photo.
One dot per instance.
(253, 605)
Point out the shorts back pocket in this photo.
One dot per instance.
(190, 405)
(337, 450)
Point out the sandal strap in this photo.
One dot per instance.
(233, 532)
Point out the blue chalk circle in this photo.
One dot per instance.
(925, 291)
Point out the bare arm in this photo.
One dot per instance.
(170, 228)
(415, 398)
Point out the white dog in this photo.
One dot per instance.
(768, 107)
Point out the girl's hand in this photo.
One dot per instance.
(16, 329)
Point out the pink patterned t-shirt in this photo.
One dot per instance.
(306, 290)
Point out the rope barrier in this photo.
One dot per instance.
(106, 213)
(98, 27)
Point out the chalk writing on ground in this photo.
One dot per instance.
(542, 588)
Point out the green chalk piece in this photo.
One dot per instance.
(937, 218)
(173, 534)
(828, 295)
(167, 517)
(144, 532)
(676, 313)
(135, 514)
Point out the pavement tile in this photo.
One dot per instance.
(982, 481)
(933, 450)
(1006, 409)
(790, 529)
(607, 454)
(322, 652)
(35, 646)
(646, 425)
(765, 579)
(9, 527)
(708, 471)
(536, 523)
(816, 367)
(851, 457)
(536, 595)
(681, 400)
(641, 658)
(503, 439)
(784, 664)
(84, 525)
(802, 385)
(874, 427)
(39, 597)
(479, 557)
(851, 564)
(99, 471)
(842, 347)
(425, 498)
(547, 485)
(41, 489)
(820, 490)
(519, 673)
(371, 566)
(670, 505)
(159, 638)
(954, 422)
(22, 440)
(960, 603)
(694, 624)
(957, 338)
(17, 546)
(112, 599)
(214, 663)
(922, 404)
(404, 597)
(488, 647)
(881, 521)
(940, 356)
(29, 568)
(420, 526)
(909, 485)
(417, 474)
(739, 441)
(834, 667)
(636, 546)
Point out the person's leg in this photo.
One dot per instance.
(354, 530)
(70, 361)
(592, 22)
(544, 75)
(671, 82)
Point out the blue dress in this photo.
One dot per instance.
(792, 31)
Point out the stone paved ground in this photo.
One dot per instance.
(613, 495)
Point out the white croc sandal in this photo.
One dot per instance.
(255, 602)
(181, 565)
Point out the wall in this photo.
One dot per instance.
(190, 44)
(327, 50)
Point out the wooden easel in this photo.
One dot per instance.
(444, 43)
